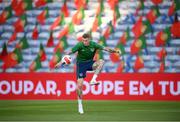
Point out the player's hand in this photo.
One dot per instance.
(118, 51)
(58, 64)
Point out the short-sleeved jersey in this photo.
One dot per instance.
(86, 53)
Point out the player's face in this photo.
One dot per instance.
(85, 41)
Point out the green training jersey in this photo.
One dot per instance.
(86, 53)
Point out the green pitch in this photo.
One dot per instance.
(94, 111)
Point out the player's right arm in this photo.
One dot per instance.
(69, 52)
(74, 49)
(59, 64)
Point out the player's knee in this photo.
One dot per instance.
(79, 87)
(101, 61)
(79, 84)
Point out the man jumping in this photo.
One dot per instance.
(86, 50)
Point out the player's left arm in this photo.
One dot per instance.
(111, 50)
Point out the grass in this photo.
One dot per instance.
(94, 111)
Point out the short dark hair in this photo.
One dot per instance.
(86, 35)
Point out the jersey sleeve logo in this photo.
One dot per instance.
(92, 49)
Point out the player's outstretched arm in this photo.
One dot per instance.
(61, 63)
(111, 50)
(69, 52)
(58, 64)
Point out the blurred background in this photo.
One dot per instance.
(34, 34)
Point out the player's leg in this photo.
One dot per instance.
(79, 87)
(80, 77)
(97, 67)
(79, 94)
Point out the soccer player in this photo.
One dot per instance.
(86, 50)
